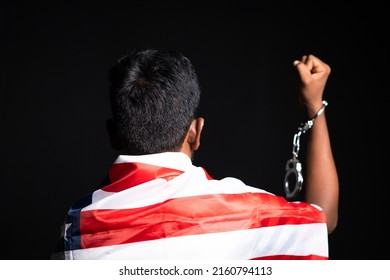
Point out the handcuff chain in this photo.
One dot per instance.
(293, 166)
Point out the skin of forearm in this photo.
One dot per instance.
(321, 182)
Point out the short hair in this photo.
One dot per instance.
(154, 96)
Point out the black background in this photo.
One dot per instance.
(53, 104)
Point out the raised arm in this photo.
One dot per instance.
(321, 183)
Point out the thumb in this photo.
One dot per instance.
(303, 70)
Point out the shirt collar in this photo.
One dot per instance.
(174, 160)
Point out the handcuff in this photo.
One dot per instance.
(293, 165)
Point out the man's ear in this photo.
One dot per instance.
(112, 133)
(194, 133)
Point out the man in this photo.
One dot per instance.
(155, 204)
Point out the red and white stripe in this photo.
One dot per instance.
(162, 207)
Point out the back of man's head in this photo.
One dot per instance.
(154, 96)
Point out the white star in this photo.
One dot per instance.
(65, 230)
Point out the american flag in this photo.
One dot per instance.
(161, 206)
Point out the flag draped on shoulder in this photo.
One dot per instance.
(160, 206)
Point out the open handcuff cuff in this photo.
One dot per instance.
(293, 165)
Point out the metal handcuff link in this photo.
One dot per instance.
(293, 165)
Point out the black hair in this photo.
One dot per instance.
(154, 96)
